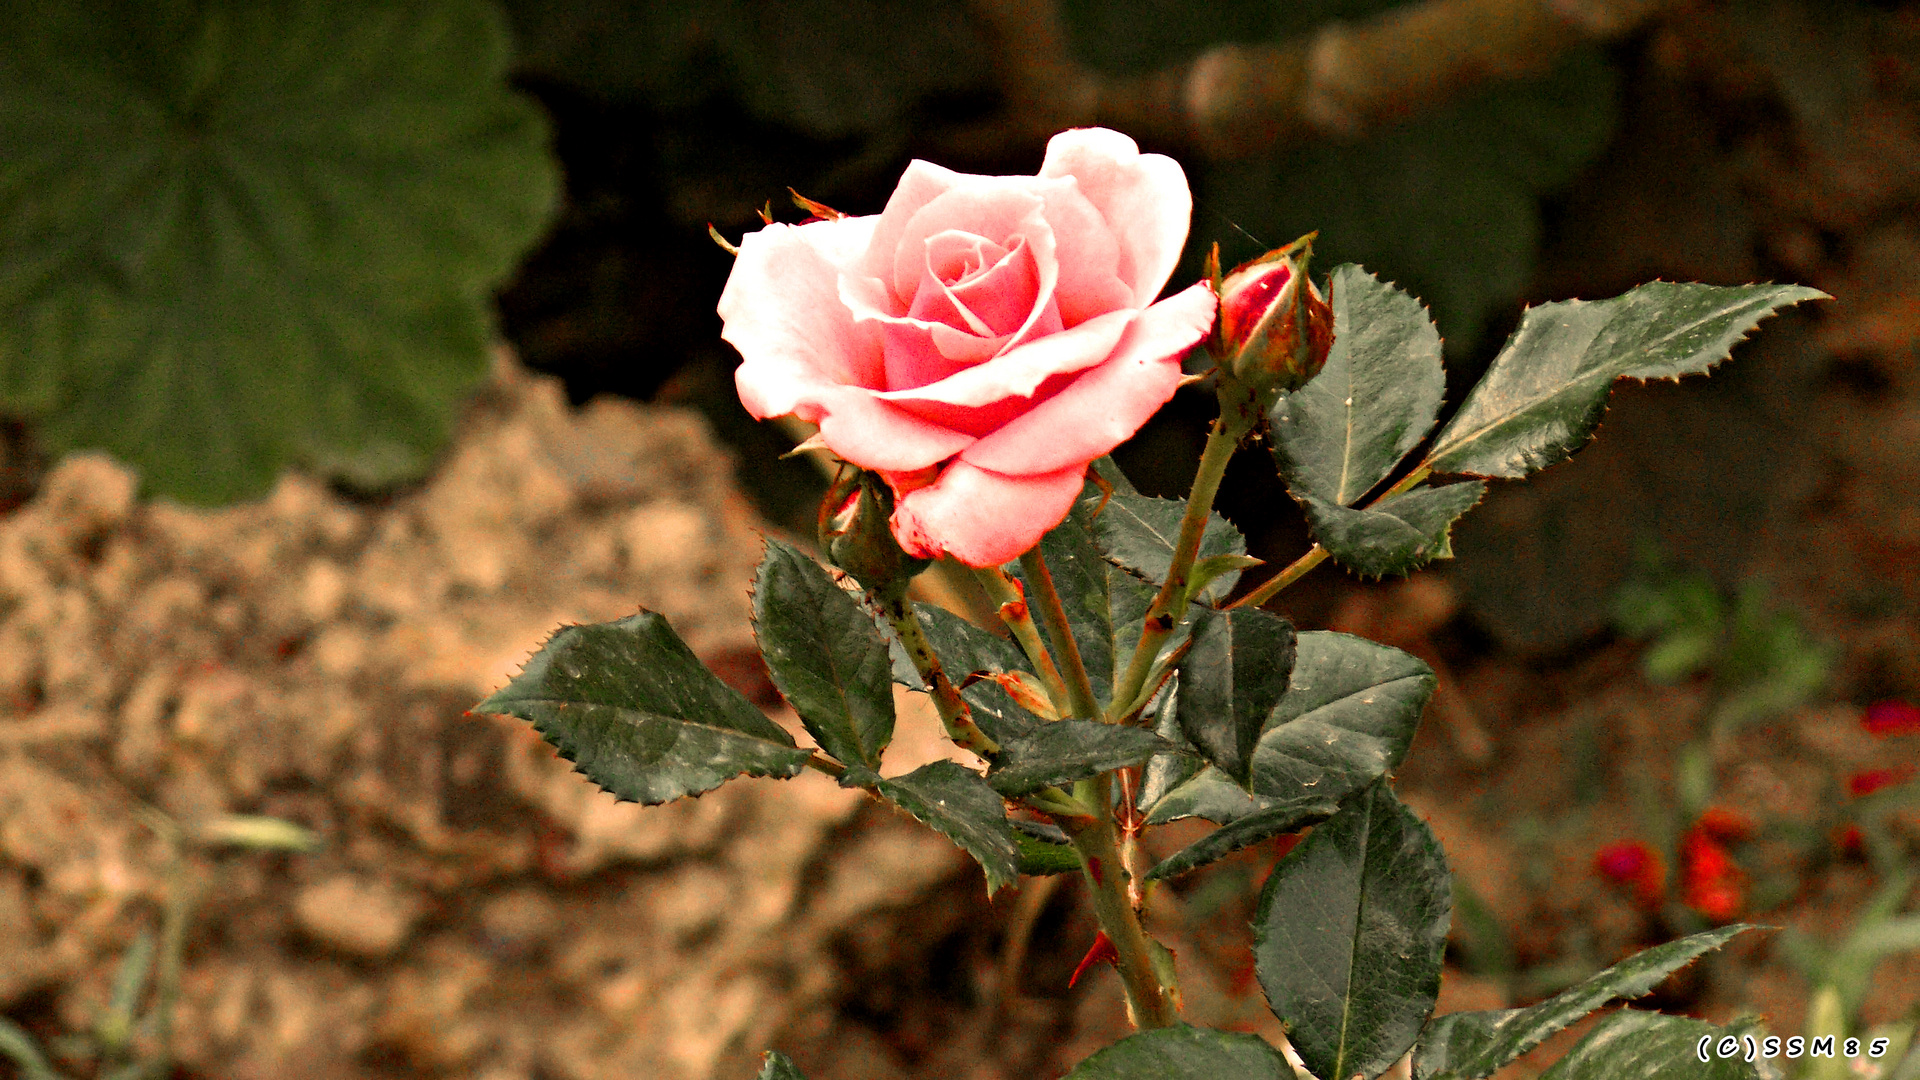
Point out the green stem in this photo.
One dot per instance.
(1316, 555)
(954, 714)
(820, 763)
(1079, 687)
(1150, 1003)
(1012, 603)
(1231, 426)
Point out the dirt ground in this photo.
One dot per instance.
(476, 910)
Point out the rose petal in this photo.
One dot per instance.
(781, 309)
(1020, 371)
(996, 208)
(922, 182)
(918, 353)
(983, 518)
(1143, 197)
(1088, 254)
(1107, 404)
(875, 434)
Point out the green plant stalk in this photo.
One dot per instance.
(1316, 555)
(1079, 686)
(954, 714)
(1014, 611)
(1232, 425)
(1150, 1004)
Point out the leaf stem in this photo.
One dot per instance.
(1079, 687)
(954, 714)
(1005, 592)
(1150, 1003)
(1228, 429)
(821, 763)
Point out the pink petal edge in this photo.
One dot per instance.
(983, 518)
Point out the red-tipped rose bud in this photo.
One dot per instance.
(1274, 328)
(856, 537)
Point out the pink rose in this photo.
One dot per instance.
(982, 339)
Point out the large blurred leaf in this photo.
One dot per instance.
(1545, 392)
(1636, 1045)
(1473, 1045)
(236, 236)
(830, 68)
(824, 654)
(1183, 1052)
(1338, 436)
(631, 706)
(1349, 934)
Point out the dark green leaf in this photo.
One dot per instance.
(1338, 436)
(239, 237)
(631, 706)
(1349, 933)
(1473, 1045)
(1346, 720)
(1183, 1052)
(1546, 391)
(954, 801)
(1138, 534)
(1234, 674)
(779, 1067)
(1636, 1045)
(1042, 857)
(1067, 750)
(1396, 535)
(964, 649)
(1276, 817)
(1107, 606)
(825, 654)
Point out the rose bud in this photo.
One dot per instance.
(1633, 864)
(856, 536)
(1885, 718)
(1275, 328)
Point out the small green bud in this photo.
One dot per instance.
(855, 534)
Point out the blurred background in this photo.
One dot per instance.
(347, 348)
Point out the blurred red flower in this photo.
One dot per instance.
(1886, 718)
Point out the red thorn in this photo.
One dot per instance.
(1102, 952)
(1866, 783)
(1093, 868)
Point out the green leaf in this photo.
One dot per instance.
(1164, 772)
(824, 654)
(964, 649)
(631, 706)
(235, 237)
(1106, 605)
(779, 1066)
(1396, 535)
(1184, 1052)
(1546, 391)
(115, 1026)
(1636, 1045)
(1338, 436)
(1346, 720)
(1276, 817)
(1473, 1045)
(1067, 750)
(1139, 534)
(1234, 674)
(1349, 934)
(956, 803)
